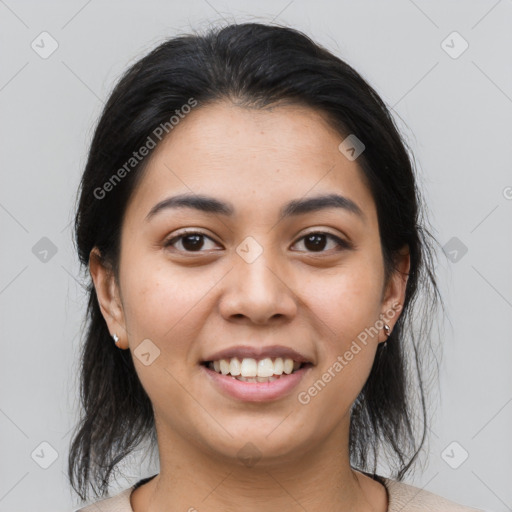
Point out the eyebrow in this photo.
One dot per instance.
(295, 207)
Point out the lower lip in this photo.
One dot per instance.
(256, 391)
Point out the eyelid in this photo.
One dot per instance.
(341, 242)
(185, 232)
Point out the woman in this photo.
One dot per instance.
(251, 223)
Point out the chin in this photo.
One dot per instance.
(256, 446)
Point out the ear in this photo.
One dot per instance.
(394, 293)
(107, 292)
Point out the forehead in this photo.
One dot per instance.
(253, 157)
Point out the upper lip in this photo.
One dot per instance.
(243, 351)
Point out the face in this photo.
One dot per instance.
(311, 281)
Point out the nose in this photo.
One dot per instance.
(257, 292)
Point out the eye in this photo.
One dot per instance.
(317, 240)
(191, 241)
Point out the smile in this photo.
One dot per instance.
(249, 369)
(253, 387)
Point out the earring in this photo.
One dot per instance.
(387, 330)
(116, 338)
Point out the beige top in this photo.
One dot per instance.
(401, 497)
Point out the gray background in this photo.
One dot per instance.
(454, 112)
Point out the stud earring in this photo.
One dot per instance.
(387, 331)
(116, 338)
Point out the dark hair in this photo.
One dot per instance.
(253, 65)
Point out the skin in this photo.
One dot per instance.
(192, 303)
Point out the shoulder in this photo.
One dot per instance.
(118, 503)
(402, 498)
(407, 498)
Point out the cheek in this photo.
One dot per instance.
(163, 304)
(347, 305)
(347, 301)
(160, 301)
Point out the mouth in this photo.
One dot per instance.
(254, 370)
(257, 380)
(250, 373)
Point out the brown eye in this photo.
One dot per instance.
(191, 241)
(316, 241)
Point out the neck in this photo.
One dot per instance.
(317, 480)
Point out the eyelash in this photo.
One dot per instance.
(341, 244)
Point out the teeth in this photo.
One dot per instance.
(235, 366)
(224, 367)
(251, 370)
(246, 379)
(256, 379)
(278, 366)
(265, 367)
(288, 366)
(248, 368)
